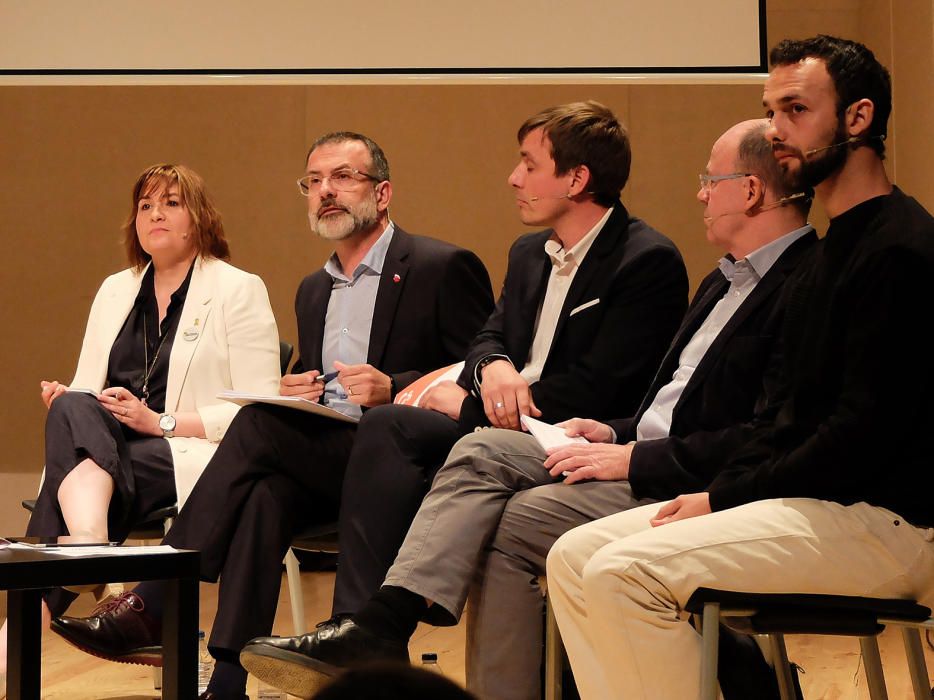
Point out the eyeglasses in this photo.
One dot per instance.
(343, 180)
(707, 182)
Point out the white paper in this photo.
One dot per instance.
(548, 435)
(98, 551)
(243, 399)
(90, 550)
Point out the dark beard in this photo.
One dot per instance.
(825, 163)
(815, 170)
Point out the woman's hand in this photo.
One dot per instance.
(130, 411)
(51, 391)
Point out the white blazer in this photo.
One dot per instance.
(226, 339)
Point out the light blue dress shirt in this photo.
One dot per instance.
(350, 317)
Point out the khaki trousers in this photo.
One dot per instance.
(618, 586)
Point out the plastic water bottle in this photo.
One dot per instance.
(205, 663)
(430, 662)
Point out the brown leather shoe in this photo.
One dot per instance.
(120, 630)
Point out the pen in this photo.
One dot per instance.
(327, 377)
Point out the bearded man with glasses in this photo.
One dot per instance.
(386, 308)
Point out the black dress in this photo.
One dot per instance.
(78, 427)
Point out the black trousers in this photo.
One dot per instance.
(77, 428)
(395, 457)
(275, 471)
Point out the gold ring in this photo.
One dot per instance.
(125, 410)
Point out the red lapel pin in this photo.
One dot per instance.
(396, 278)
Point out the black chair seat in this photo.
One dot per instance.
(318, 538)
(802, 613)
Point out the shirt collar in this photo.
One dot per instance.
(147, 287)
(560, 257)
(373, 260)
(762, 259)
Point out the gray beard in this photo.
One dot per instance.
(337, 227)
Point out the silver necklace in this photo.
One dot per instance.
(147, 367)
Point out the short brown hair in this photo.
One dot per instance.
(586, 133)
(208, 229)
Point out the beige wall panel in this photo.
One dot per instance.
(16, 487)
(801, 18)
(912, 68)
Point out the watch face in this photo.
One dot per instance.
(167, 423)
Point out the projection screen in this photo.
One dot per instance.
(379, 37)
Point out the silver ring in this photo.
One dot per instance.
(498, 404)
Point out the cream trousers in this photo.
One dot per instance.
(619, 586)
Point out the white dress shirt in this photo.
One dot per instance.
(564, 266)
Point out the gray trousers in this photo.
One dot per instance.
(485, 528)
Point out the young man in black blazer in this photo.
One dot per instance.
(494, 508)
(387, 307)
(579, 335)
(832, 492)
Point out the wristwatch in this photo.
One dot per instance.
(167, 423)
(478, 369)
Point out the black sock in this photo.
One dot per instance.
(153, 595)
(393, 613)
(229, 677)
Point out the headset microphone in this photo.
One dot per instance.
(711, 219)
(535, 198)
(765, 207)
(852, 139)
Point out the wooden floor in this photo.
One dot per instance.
(832, 664)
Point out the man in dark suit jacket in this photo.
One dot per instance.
(387, 307)
(595, 355)
(495, 508)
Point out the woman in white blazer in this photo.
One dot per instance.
(163, 338)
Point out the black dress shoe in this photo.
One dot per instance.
(302, 665)
(120, 630)
(208, 695)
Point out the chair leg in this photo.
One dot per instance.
(554, 655)
(294, 577)
(786, 686)
(917, 666)
(875, 678)
(710, 636)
